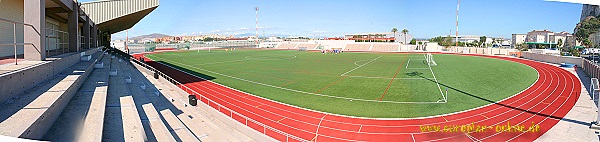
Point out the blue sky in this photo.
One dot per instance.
(423, 18)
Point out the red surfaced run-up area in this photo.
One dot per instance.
(528, 114)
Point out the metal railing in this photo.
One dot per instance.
(14, 44)
(219, 106)
(62, 46)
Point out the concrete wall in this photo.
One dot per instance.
(11, 10)
(552, 58)
(486, 51)
(15, 83)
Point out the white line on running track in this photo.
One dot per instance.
(573, 82)
(543, 81)
(361, 65)
(360, 128)
(543, 108)
(547, 96)
(319, 126)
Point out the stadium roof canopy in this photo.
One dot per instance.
(118, 15)
(590, 2)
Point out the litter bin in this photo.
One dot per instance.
(155, 75)
(193, 100)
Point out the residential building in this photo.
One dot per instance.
(517, 39)
(380, 36)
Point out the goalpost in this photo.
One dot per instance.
(429, 59)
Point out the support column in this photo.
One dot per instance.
(94, 36)
(73, 20)
(35, 15)
(107, 39)
(86, 33)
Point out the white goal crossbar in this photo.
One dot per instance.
(429, 59)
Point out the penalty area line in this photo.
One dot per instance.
(360, 66)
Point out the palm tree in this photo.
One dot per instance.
(394, 30)
(404, 31)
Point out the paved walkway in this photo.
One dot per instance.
(575, 125)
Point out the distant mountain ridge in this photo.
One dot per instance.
(154, 35)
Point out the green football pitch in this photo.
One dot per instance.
(377, 85)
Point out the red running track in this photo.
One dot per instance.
(546, 102)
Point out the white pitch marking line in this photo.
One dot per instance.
(436, 81)
(377, 77)
(288, 89)
(361, 65)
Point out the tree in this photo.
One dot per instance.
(522, 47)
(394, 30)
(560, 42)
(585, 28)
(404, 31)
(482, 40)
(413, 41)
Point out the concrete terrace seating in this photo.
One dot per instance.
(81, 115)
(138, 107)
(156, 124)
(385, 47)
(308, 46)
(28, 115)
(357, 47)
(286, 46)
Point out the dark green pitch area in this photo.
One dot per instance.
(378, 85)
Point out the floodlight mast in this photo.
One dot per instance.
(457, 7)
(256, 40)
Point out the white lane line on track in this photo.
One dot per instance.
(546, 89)
(319, 126)
(562, 91)
(560, 95)
(536, 89)
(359, 128)
(404, 125)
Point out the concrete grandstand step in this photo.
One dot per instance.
(154, 127)
(81, 115)
(122, 121)
(157, 126)
(201, 123)
(132, 126)
(28, 115)
(177, 127)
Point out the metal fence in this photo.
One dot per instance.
(14, 43)
(591, 69)
(57, 42)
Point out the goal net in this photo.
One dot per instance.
(429, 60)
